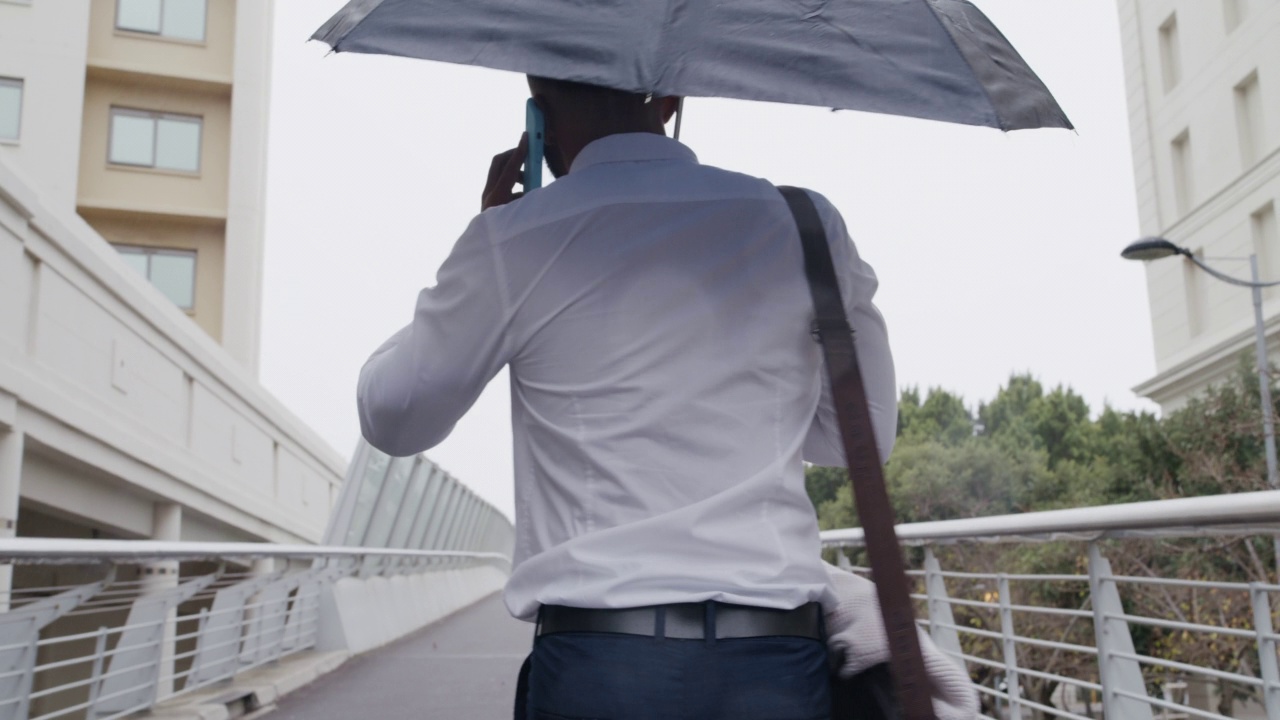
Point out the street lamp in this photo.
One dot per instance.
(1154, 248)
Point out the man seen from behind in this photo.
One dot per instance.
(665, 392)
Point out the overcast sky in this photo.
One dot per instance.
(996, 253)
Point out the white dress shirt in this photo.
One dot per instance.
(665, 386)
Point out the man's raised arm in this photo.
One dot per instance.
(420, 382)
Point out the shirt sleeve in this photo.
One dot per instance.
(414, 388)
(858, 285)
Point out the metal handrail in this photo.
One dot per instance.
(65, 551)
(1252, 512)
(1123, 675)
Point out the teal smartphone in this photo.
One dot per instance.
(536, 127)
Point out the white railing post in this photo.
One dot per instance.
(942, 622)
(1267, 665)
(134, 675)
(1007, 636)
(159, 578)
(842, 561)
(1120, 677)
(19, 634)
(11, 449)
(99, 657)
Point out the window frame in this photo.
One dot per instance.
(155, 116)
(21, 84)
(1195, 295)
(1251, 122)
(1233, 15)
(1182, 172)
(1264, 232)
(1169, 43)
(149, 251)
(159, 34)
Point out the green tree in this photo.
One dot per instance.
(1060, 425)
(822, 483)
(1008, 413)
(942, 417)
(933, 481)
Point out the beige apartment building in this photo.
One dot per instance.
(132, 187)
(131, 107)
(1203, 79)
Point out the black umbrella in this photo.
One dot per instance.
(933, 59)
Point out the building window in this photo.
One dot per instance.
(1182, 187)
(1232, 13)
(1266, 244)
(155, 140)
(173, 272)
(10, 108)
(1249, 125)
(1170, 53)
(1193, 284)
(177, 19)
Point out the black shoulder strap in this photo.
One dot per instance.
(865, 470)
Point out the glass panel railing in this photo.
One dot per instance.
(388, 504)
(440, 519)
(421, 524)
(367, 494)
(411, 505)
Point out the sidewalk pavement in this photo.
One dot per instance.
(463, 667)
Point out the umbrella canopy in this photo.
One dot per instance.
(933, 59)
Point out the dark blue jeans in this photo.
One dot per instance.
(602, 676)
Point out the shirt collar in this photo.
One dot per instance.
(631, 147)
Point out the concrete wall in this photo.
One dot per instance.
(105, 383)
(247, 184)
(1228, 174)
(44, 45)
(360, 614)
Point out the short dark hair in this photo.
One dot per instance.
(605, 99)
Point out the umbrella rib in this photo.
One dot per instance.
(858, 42)
(977, 80)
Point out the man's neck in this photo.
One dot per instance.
(572, 151)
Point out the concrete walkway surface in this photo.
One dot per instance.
(461, 668)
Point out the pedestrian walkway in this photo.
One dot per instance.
(462, 668)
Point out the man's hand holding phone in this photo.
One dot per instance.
(504, 173)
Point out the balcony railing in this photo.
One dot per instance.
(1093, 642)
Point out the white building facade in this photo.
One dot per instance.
(1203, 79)
(132, 187)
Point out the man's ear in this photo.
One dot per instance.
(668, 105)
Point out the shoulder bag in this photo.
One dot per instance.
(867, 696)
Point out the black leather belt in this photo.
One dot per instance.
(686, 621)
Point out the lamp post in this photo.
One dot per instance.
(1155, 248)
